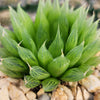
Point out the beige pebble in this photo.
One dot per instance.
(79, 94)
(4, 93)
(96, 73)
(15, 93)
(59, 94)
(97, 95)
(86, 94)
(73, 86)
(4, 82)
(40, 92)
(31, 95)
(67, 91)
(22, 87)
(62, 93)
(12, 80)
(91, 83)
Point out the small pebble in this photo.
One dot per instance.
(91, 83)
(31, 95)
(44, 97)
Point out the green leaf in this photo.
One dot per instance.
(91, 33)
(57, 45)
(38, 73)
(88, 73)
(53, 17)
(86, 69)
(93, 61)
(28, 42)
(50, 84)
(30, 82)
(47, 7)
(42, 31)
(15, 23)
(15, 64)
(58, 66)
(9, 44)
(4, 53)
(8, 33)
(26, 21)
(89, 51)
(10, 73)
(75, 54)
(72, 75)
(44, 56)
(71, 41)
(27, 56)
(64, 26)
(39, 14)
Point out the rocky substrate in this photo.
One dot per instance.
(86, 89)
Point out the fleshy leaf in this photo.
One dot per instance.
(75, 54)
(38, 73)
(57, 45)
(53, 17)
(30, 82)
(58, 66)
(71, 41)
(15, 23)
(4, 53)
(63, 24)
(10, 73)
(44, 56)
(50, 84)
(89, 51)
(72, 75)
(9, 44)
(42, 31)
(27, 56)
(26, 21)
(93, 61)
(14, 64)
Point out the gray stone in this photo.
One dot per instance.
(44, 97)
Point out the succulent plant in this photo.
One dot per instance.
(60, 45)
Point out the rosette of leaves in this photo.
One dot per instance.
(60, 45)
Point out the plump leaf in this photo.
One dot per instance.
(72, 75)
(30, 82)
(89, 51)
(27, 56)
(15, 23)
(8, 33)
(42, 31)
(44, 56)
(57, 45)
(53, 17)
(4, 53)
(91, 33)
(93, 61)
(71, 41)
(10, 73)
(75, 54)
(50, 84)
(58, 66)
(86, 69)
(39, 14)
(9, 44)
(26, 21)
(63, 24)
(38, 73)
(15, 64)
